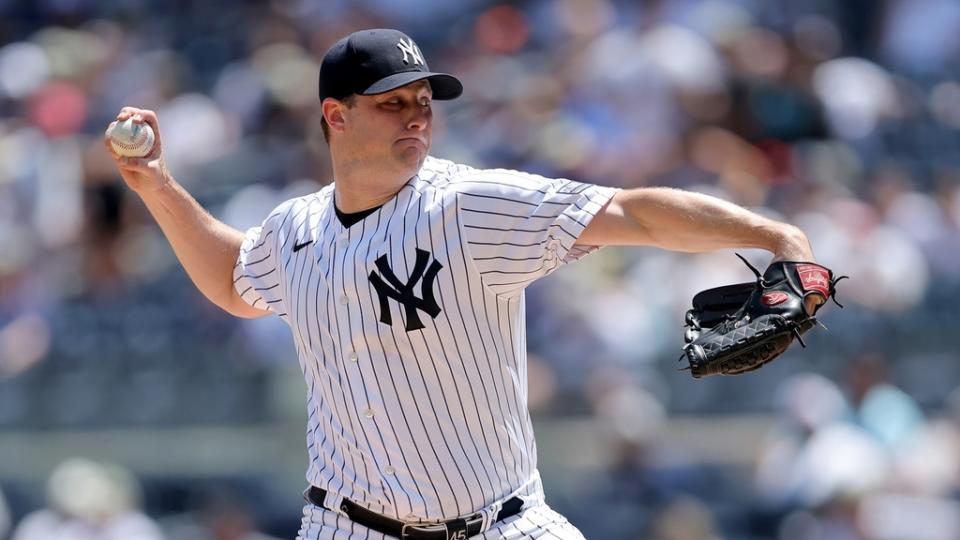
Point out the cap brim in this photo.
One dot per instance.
(444, 86)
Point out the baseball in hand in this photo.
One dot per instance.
(129, 139)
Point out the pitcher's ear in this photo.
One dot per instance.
(333, 113)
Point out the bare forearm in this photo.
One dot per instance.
(207, 248)
(692, 222)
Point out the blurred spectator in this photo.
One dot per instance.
(5, 521)
(231, 523)
(89, 501)
(807, 404)
(217, 513)
(685, 519)
(878, 471)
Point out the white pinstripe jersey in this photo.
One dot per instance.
(410, 330)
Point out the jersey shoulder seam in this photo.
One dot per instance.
(439, 174)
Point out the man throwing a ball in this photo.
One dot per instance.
(403, 285)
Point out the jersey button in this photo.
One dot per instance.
(389, 470)
(343, 299)
(368, 413)
(352, 356)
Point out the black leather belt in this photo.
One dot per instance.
(456, 529)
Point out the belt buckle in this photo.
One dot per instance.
(428, 529)
(457, 534)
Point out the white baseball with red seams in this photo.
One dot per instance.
(130, 139)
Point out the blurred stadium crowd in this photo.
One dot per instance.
(841, 116)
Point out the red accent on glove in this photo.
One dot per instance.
(814, 278)
(774, 298)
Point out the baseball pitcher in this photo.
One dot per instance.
(403, 286)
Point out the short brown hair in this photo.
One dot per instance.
(349, 102)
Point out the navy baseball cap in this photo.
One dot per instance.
(375, 61)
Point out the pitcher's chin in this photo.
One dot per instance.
(411, 152)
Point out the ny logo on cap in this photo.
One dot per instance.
(408, 46)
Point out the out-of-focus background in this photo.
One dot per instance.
(132, 408)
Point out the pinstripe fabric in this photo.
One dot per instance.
(409, 327)
(538, 521)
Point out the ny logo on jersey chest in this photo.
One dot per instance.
(403, 292)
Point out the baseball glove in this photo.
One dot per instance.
(738, 328)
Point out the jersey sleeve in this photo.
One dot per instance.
(256, 276)
(520, 227)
